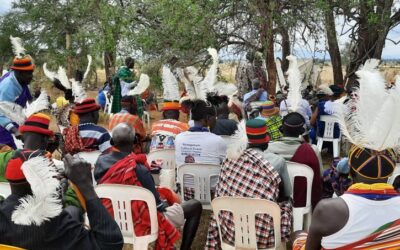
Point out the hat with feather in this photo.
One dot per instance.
(372, 124)
(44, 202)
(22, 61)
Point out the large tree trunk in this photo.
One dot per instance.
(109, 64)
(266, 10)
(285, 47)
(333, 46)
(373, 29)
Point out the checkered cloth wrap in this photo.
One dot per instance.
(273, 124)
(250, 176)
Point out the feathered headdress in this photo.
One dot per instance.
(170, 85)
(189, 87)
(44, 203)
(372, 120)
(294, 79)
(13, 111)
(78, 91)
(281, 77)
(89, 57)
(40, 104)
(207, 84)
(18, 49)
(61, 75)
(144, 83)
(238, 142)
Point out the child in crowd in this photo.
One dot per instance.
(336, 179)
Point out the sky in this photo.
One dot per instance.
(391, 50)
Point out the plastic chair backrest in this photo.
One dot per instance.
(301, 170)
(329, 125)
(5, 189)
(121, 197)
(202, 174)
(244, 211)
(166, 155)
(90, 157)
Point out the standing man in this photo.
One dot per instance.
(122, 83)
(14, 89)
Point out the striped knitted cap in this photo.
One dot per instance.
(37, 123)
(257, 132)
(86, 106)
(171, 105)
(24, 64)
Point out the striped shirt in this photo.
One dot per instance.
(94, 137)
(132, 120)
(164, 132)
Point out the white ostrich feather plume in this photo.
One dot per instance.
(211, 77)
(191, 92)
(373, 120)
(144, 83)
(238, 142)
(44, 204)
(89, 57)
(170, 85)
(18, 49)
(223, 88)
(325, 88)
(12, 111)
(40, 104)
(61, 75)
(281, 77)
(294, 79)
(78, 91)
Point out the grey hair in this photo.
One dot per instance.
(120, 133)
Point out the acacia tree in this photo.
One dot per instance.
(370, 22)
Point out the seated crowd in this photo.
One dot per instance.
(49, 198)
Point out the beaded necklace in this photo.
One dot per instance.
(376, 191)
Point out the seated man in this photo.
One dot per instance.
(199, 145)
(270, 114)
(123, 167)
(40, 222)
(278, 162)
(163, 132)
(223, 125)
(294, 149)
(365, 216)
(336, 179)
(128, 114)
(87, 136)
(258, 94)
(245, 173)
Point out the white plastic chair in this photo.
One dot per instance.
(121, 197)
(90, 157)
(5, 189)
(328, 134)
(146, 118)
(244, 211)
(166, 155)
(201, 174)
(396, 173)
(301, 170)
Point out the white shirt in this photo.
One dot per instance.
(199, 147)
(365, 216)
(304, 109)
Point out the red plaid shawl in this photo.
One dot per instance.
(123, 172)
(72, 141)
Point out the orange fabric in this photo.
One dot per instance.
(171, 106)
(132, 120)
(169, 126)
(73, 119)
(169, 195)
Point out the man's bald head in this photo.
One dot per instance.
(123, 136)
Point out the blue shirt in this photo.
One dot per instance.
(263, 97)
(10, 90)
